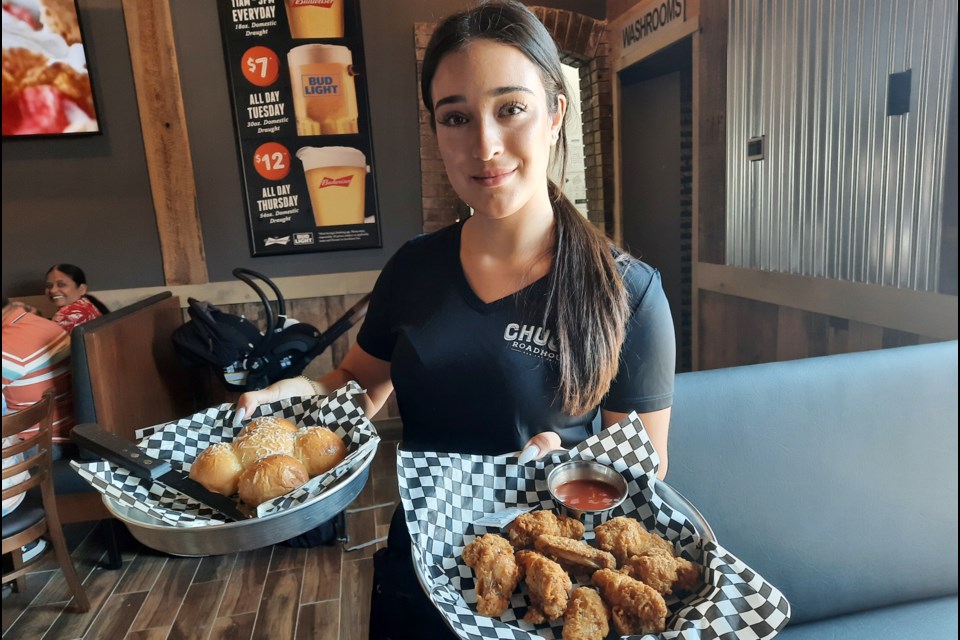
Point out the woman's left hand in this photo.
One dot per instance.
(539, 446)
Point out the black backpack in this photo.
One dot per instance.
(245, 358)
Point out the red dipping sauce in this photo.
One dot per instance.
(593, 495)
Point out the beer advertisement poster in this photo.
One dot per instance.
(299, 92)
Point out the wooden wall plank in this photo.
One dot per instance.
(160, 102)
(710, 132)
(894, 338)
(923, 313)
(865, 337)
(793, 334)
(737, 330)
(232, 291)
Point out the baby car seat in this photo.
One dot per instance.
(245, 358)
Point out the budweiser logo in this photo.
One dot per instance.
(336, 182)
(326, 4)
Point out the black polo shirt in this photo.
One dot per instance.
(475, 377)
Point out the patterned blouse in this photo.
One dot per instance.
(76, 313)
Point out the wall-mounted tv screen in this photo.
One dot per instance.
(46, 83)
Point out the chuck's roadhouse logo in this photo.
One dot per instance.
(326, 4)
(336, 182)
(531, 340)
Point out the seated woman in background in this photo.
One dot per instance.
(67, 289)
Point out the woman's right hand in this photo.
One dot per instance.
(279, 390)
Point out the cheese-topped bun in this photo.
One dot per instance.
(254, 444)
(271, 477)
(319, 449)
(217, 468)
(269, 422)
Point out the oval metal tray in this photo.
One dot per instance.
(232, 537)
(677, 501)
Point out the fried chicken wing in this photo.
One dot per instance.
(525, 529)
(625, 537)
(548, 583)
(570, 527)
(587, 616)
(663, 571)
(497, 574)
(574, 555)
(634, 607)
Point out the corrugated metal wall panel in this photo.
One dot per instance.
(844, 191)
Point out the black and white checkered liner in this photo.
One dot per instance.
(181, 441)
(443, 494)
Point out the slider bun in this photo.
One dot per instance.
(270, 477)
(270, 422)
(319, 449)
(217, 468)
(254, 444)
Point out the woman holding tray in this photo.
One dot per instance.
(520, 327)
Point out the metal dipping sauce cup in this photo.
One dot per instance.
(586, 470)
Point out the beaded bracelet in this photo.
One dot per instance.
(317, 390)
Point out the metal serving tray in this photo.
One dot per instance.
(233, 537)
(677, 501)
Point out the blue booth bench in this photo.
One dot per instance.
(836, 479)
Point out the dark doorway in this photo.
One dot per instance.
(656, 142)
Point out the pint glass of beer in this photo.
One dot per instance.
(336, 179)
(315, 18)
(324, 92)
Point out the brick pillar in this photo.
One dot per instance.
(441, 206)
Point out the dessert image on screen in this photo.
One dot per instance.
(46, 86)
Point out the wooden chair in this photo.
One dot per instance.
(36, 516)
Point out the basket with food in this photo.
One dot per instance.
(292, 453)
(559, 548)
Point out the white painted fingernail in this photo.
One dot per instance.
(528, 454)
(238, 417)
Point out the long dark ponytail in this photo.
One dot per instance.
(587, 301)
